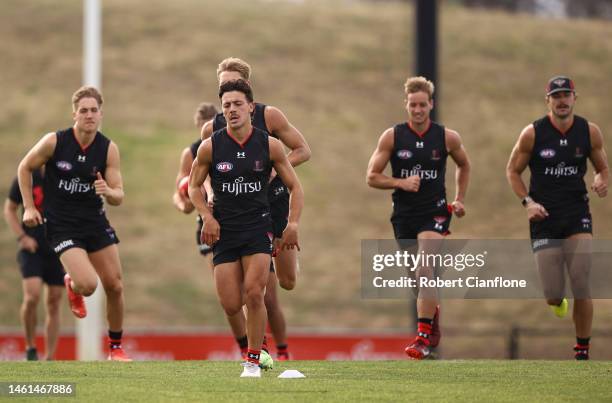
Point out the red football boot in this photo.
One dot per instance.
(76, 301)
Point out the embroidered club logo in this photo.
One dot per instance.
(258, 166)
(579, 153)
(225, 166)
(63, 165)
(547, 153)
(435, 155)
(404, 154)
(559, 82)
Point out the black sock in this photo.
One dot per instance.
(243, 342)
(115, 338)
(583, 341)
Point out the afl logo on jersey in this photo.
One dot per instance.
(225, 166)
(64, 165)
(547, 153)
(404, 154)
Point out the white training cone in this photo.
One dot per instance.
(291, 373)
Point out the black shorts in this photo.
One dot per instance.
(549, 232)
(233, 245)
(408, 228)
(44, 265)
(90, 241)
(279, 212)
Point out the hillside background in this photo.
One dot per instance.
(336, 68)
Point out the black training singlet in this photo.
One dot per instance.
(239, 178)
(423, 155)
(258, 119)
(71, 202)
(558, 165)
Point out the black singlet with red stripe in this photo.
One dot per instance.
(423, 154)
(258, 119)
(71, 202)
(239, 178)
(558, 165)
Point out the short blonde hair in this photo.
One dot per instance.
(418, 84)
(86, 91)
(237, 65)
(204, 113)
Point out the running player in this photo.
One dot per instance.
(239, 159)
(38, 265)
(205, 112)
(81, 174)
(556, 148)
(418, 151)
(271, 120)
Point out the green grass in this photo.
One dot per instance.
(336, 381)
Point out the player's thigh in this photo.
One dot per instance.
(256, 269)
(228, 282)
(286, 262)
(77, 264)
(108, 265)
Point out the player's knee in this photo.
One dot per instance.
(30, 300)
(53, 306)
(114, 289)
(231, 308)
(254, 297)
(287, 281)
(86, 288)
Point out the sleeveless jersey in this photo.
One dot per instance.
(194, 148)
(558, 165)
(258, 119)
(423, 155)
(71, 202)
(239, 178)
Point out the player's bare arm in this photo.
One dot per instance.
(291, 137)
(34, 159)
(462, 174)
(285, 170)
(24, 241)
(599, 159)
(111, 185)
(519, 159)
(179, 198)
(199, 171)
(379, 160)
(206, 132)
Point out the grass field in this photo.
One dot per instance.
(335, 381)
